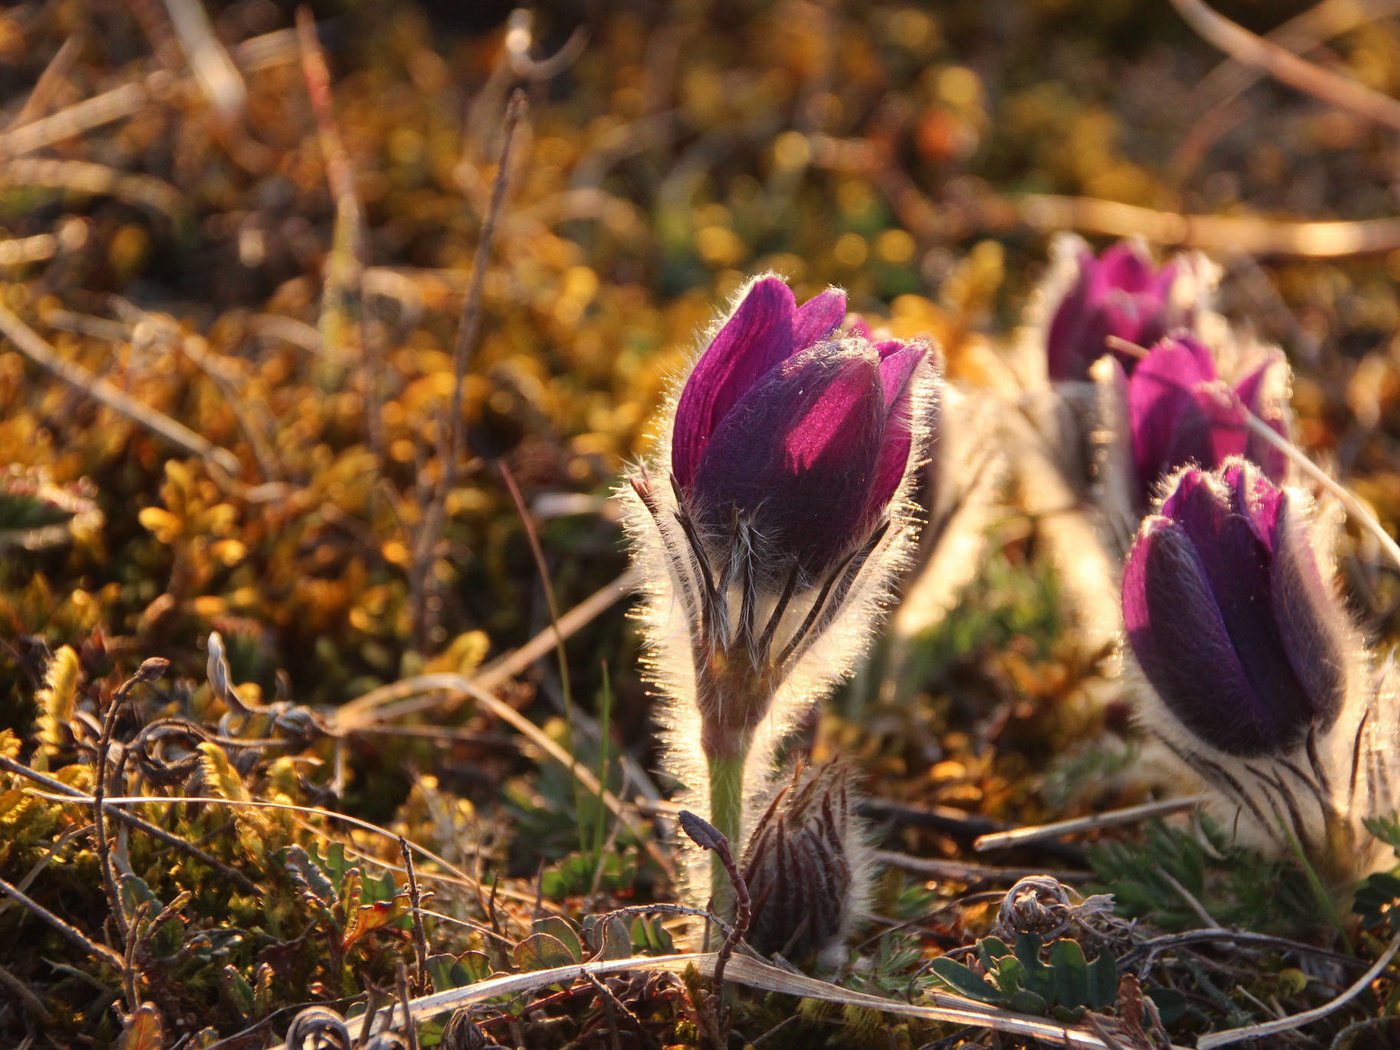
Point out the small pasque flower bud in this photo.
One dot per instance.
(805, 866)
(1122, 294)
(1180, 411)
(1230, 617)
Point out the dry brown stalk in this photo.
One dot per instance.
(31, 345)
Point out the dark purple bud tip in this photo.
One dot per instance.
(800, 865)
(1121, 294)
(701, 831)
(1180, 411)
(802, 431)
(1228, 614)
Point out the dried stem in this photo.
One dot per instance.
(71, 934)
(28, 342)
(1286, 67)
(422, 583)
(67, 792)
(420, 940)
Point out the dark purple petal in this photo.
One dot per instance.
(1310, 617)
(897, 369)
(1252, 495)
(1119, 295)
(1181, 642)
(798, 454)
(1065, 338)
(1168, 426)
(756, 338)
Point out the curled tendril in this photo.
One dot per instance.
(318, 1028)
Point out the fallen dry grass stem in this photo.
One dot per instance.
(69, 933)
(1077, 825)
(1298, 1020)
(1253, 234)
(763, 976)
(1287, 68)
(31, 345)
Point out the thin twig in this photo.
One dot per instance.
(1112, 818)
(72, 934)
(1288, 1024)
(420, 940)
(410, 1029)
(1284, 66)
(422, 583)
(31, 345)
(69, 793)
(1252, 234)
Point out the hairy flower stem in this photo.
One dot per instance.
(726, 814)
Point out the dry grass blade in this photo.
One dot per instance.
(254, 803)
(213, 70)
(759, 975)
(1286, 67)
(1251, 234)
(1298, 1020)
(1110, 819)
(78, 176)
(494, 707)
(31, 345)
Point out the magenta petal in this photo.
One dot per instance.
(756, 338)
(797, 455)
(897, 370)
(1260, 392)
(1123, 266)
(818, 318)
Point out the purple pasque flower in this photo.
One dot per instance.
(797, 430)
(1180, 411)
(1230, 617)
(1122, 294)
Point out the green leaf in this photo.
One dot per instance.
(960, 979)
(1103, 982)
(1069, 973)
(562, 930)
(310, 877)
(540, 951)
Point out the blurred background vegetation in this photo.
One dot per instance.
(181, 225)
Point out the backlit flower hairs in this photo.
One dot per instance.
(768, 526)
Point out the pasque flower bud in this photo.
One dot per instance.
(1122, 294)
(1258, 677)
(1230, 617)
(805, 866)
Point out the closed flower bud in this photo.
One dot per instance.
(805, 866)
(1230, 617)
(1180, 411)
(799, 432)
(1120, 294)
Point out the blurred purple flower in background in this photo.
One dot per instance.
(798, 429)
(1121, 293)
(1230, 616)
(1180, 411)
